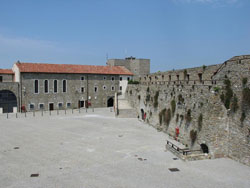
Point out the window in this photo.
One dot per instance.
(104, 87)
(60, 105)
(41, 106)
(32, 106)
(178, 77)
(200, 77)
(82, 89)
(120, 88)
(112, 78)
(64, 86)
(1, 78)
(120, 78)
(169, 77)
(36, 86)
(82, 78)
(46, 86)
(104, 77)
(68, 105)
(113, 88)
(95, 89)
(129, 78)
(55, 86)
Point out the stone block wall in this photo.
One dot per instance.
(221, 128)
(73, 95)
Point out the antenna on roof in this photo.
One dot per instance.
(107, 56)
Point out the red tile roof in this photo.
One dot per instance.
(6, 71)
(72, 69)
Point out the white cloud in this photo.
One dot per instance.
(25, 43)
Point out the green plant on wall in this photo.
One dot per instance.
(193, 136)
(173, 106)
(244, 81)
(226, 98)
(234, 105)
(188, 116)
(185, 73)
(216, 89)
(243, 116)
(246, 97)
(204, 67)
(200, 119)
(165, 117)
(156, 99)
(177, 118)
(133, 82)
(180, 98)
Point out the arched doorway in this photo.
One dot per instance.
(204, 148)
(110, 102)
(8, 100)
(142, 114)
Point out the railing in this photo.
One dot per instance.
(49, 113)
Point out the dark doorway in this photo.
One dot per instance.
(204, 148)
(142, 114)
(110, 102)
(81, 104)
(51, 106)
(8, 100)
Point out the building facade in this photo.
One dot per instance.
(37, 86)
(136, 66)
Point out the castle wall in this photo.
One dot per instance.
(220, 129)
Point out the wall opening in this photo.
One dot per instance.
(142, 114)
(110, 102)
(51, 106)
(204, 148)
(8, 101)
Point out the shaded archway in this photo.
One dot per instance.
(110, 102)
(8, 101)
(142, 114)
(204, 148)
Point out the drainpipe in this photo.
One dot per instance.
(87, 92)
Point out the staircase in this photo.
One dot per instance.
(124, 108)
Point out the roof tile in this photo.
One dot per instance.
(73, 69)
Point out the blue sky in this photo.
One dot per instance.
(172, 33)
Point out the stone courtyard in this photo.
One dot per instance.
(95, 149)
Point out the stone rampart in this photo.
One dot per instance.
(206, 104)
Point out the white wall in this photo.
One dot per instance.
(16, 71)
(124, 83)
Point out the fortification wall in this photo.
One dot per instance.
(194, 104)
